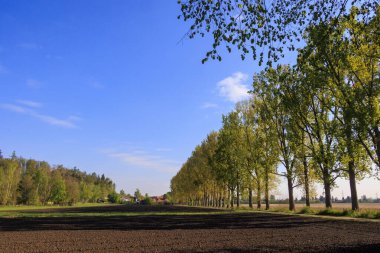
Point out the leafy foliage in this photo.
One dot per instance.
(273, 27)
(34, 182)
(319, 119)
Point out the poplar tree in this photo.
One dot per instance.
(263, 30)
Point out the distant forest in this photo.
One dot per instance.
(32, 182)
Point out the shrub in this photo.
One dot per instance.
(369, 214)
(334, 212)
(306, 210)
(114, 197)
(147, 201)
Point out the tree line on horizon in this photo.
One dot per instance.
(31, 182)
(319, 120)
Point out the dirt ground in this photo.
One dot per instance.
(227, 232)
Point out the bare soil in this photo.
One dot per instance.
(226, 232)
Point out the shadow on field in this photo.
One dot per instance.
(152, 222)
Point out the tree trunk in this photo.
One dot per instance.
(292, 206)
(354, 194)
(238, 195)
(258, 195)
(250, 197)
(377, 143)
(327, 187)
(305, 171)
(307, 184)
(351, 162)
(232, 198)
(8, 192)
(266, 190)
(228, 198)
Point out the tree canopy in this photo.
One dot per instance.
(32, 182)
(264, 30)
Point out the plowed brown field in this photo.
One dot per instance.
(226, 232)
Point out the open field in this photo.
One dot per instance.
(104, 210)
(25, 207)
(182, 229)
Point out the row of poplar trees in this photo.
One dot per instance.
(31, 182)
(313, 122)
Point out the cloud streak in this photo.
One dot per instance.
(29, 103)
(146, 161)
(233, 87)
(28, 108)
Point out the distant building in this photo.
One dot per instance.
(125, 199)
(159, 199)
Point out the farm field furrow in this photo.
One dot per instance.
(222, 232)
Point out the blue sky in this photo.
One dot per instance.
(111, 87)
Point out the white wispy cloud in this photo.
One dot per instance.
(14, 108)
(66, 123)
(29, 108)
(146, 161)
(208, 105)
(233, 88)
(33, 83)
(29, 103)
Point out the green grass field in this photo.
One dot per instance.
(25, 207)
(90, 210)
(367, 210)
(81, 210)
